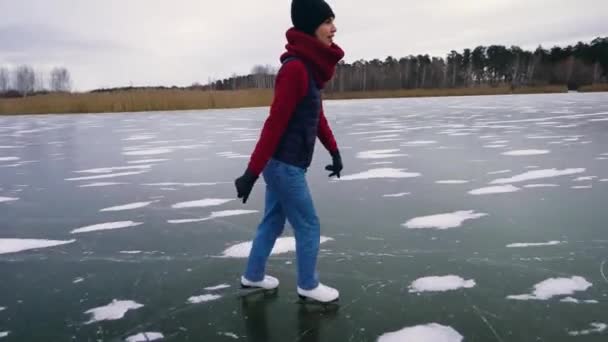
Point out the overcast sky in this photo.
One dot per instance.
(107, 43)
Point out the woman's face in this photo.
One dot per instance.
(326, 31)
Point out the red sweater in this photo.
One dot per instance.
(291, 86)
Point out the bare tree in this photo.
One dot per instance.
(60, 80)
(4, 80)
(25, 80)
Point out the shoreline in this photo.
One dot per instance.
(176, 100)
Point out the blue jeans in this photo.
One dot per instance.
(287, 197)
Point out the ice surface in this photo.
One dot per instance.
(443, 221)
(432, 332)
(538, 174)
(494, 190)
(381, 173)
(281, 246)
(145, 337)
(440, 284)
(113, 311)
(20, 245)
(106, 226)
(208, 202)
(555, 287)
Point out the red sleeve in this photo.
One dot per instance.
(325, 134)
(290, 87)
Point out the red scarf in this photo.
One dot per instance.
(321, 58)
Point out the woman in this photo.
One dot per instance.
(285, 149)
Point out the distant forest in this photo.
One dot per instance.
(495, 65)
(574, 66)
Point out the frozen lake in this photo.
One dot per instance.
(464, 218)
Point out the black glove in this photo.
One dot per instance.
(244, 184)
(336, 165)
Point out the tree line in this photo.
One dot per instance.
(574, 65)
(24, 81)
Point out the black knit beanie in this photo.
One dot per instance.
(308, 15)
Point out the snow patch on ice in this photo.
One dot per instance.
(145, 161)
(443, 221)
(582, 179)
(538, 174)
(229, 334)
(440, 284)
(113, 311)
(4, 333)
(20, 245)
(555, 287)
(145, 337)
(9, 158)
(98, 184)
(455, 181)
(596, 328)
(400, 194)
(541, 186)
(381, 173)
(78, 280)
(106, 226)
(576, 301)
(582, 187)
(218, 287)
(495, 190)
(130, 252)
(534, 244)
(208, 202)
(147, 152)
(379, 154)
(499, 172)
(432, 332)
(129, 206)
(8, 199)
(116, 168)
(215, 214)
(203, 298)
(526, 152)
(110, 175)
(282, 245)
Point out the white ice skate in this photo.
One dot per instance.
(268, 283)
(321, 294)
